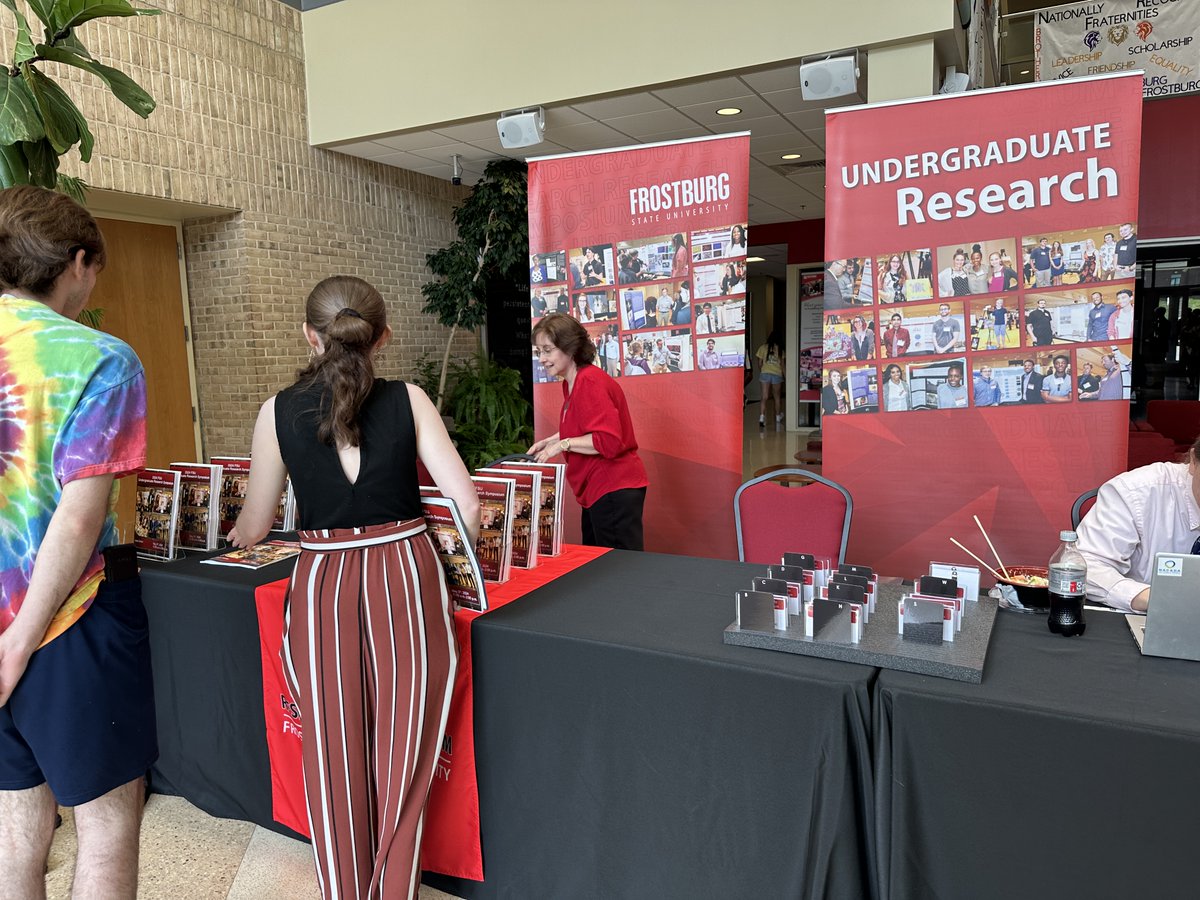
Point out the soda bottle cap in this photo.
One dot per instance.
(1066, 536)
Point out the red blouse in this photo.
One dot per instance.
(596, 406)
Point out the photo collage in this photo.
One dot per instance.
(1045, 318)
(653, 306)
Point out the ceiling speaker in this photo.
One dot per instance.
(521, 129)
(825, 78)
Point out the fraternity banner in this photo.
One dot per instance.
(979, 314)
(646, 248)
(1157, 36)
(808, 374)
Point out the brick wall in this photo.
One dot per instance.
(230, 130)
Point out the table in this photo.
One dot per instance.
(204, 650)
(623, 750)
(1071, 771)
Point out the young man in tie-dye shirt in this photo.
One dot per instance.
(76, 702)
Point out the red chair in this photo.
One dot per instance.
(773, 518)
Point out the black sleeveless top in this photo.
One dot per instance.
(387, 488)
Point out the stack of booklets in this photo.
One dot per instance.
(235, 478)
(493, 548)
(550, 502)
(199, 505)
(464, 580)
(257, 556)
(156, 513)
(526, 497)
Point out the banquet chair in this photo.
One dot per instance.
(512, 457)
(773, 518)
(1077, 508)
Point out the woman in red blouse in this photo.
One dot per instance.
(595, 437)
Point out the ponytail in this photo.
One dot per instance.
(350, 318)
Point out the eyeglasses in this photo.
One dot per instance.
(544, 351)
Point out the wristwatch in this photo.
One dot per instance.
(564, 445)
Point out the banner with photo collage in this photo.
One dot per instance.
(979, 314)
(646, 247)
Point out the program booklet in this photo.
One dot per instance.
(525, 497)
(235, 476)
(199, 505)
(256, 557)
(550, 505)
(157, 513)
(464, 580)
(497, 499)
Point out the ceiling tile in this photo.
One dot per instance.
(765, 126)
(558, 116)
(752, 107)
(626, 105)
(792, 101)
(657, 122)
(468, 131)
(816, 135)
(807, 120)
(443, 154)
(792, 142)
(778, 79)
(589, 136)
(715, 89)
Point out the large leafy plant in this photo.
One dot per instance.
(39, 122)
(491, 418)
(491, 251)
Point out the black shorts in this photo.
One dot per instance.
(81, 719)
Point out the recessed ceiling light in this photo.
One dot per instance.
(1024, 72)
(791, 156)
(751, 259)
(728, 111)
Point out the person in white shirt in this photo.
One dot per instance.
(1154, 509)
(706, 322)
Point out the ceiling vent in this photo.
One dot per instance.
(797, 168)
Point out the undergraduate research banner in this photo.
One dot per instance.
(646, 247)
(1157, 36)
(979, 314)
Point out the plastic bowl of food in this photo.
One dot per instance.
(1032, 584)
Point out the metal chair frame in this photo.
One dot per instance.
(1077, 507)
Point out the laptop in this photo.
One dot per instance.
(1171, 626)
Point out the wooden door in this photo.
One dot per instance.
(140, 293)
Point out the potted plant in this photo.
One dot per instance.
(490, 415)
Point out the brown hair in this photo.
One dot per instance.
(568, 336)
(350, 318)
(40, 232)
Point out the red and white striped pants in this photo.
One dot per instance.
(370, 652)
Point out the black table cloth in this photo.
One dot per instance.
(204, 651)
(623, 750)
(1071, 771)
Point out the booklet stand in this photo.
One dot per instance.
(881, 644)
(154, 557)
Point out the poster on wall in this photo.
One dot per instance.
(646, 248)
(1159, 38)
(978, 314)
(808, 374)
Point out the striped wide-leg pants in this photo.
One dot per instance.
(370, 653)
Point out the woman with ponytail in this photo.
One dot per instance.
(369, 647)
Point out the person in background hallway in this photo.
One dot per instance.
(770, 376)
(1153, 509)
(373, 693)
(77, 715)
(595, 437)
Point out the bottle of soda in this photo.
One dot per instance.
(1068, 577)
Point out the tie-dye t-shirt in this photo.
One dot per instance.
(72, 405)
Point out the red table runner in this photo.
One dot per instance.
(450, 845)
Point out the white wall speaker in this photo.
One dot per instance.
(521, 129)
(824, 78)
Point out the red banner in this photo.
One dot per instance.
(646, 247)
(450, 842)
(978, 314)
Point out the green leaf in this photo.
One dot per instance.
(123, 87)
(76, 189)
(13, 169)
(23, 49)
(65, 124)
(73, 44)
(42, 162)
(66, 14)
(19, 119)
(41, 9)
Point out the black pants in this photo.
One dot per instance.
(615, 520)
